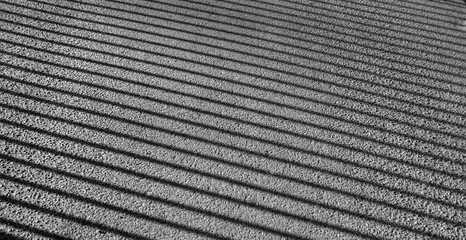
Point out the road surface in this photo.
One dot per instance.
(232, 119)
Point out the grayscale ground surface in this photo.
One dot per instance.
(232, 119)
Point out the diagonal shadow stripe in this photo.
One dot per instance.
(128, 190)
(249, 36)
(360, 9)
(269, 40)
(285, 28)
(390, 88)
(368, 152)
(151, 197)
(453, 7)
(86, 222)
(309, 88)
(427, 8)
(307, 111)
(323, 205)
(31, 229)
(293, 107)
(310, 167)
(228, 198)
(370, 47)
(230, 70)
(243, 135)
(385, 157)
(8, 236)
(219, 102)
(284, 177)
(174, 184)
(424, 8)
(305, 49)
(421, 230)
(288, 36)
(333, 63)
(232, 147)
(206, 126)
(309, 124)
(313, 185)
(394, 9)
(190, 152)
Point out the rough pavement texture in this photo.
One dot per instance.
(229, 119)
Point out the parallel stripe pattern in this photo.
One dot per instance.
(225, 119)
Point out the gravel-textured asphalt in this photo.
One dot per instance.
(232, 119)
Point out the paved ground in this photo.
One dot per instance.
(229, 119)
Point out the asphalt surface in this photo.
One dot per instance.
(232, 119)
